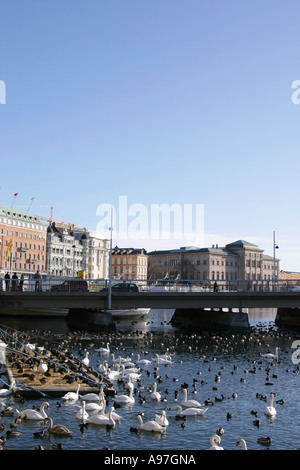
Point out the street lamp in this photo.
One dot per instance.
(275, 247)
(110, 261)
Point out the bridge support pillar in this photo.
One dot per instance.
(288, 317)
(209, 318)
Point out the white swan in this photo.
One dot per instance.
(162, 360)
(43, 367)
(129, 385)
(4, 392)
(104, 350)
(188, 411)
(94, 396)
(189, 403)
(155, 395)
(112, 374)
(145, 362)
(86, 360)
(271, 355)
(103, 420)
(241, 442)
(72, 396)
(215, 443)
(162, 419)
(151, 426)
(82, 414)
(124, 399)
(91, 406)
(103, 367)
(270, 410)
(115, 416)
(125, 374)
(34, 414)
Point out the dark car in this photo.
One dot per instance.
(71, 286)
(123, 287)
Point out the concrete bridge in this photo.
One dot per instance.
(161, 300)
(192, 308)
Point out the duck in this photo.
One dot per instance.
(103, 420)
(124, 399)
(241, 442)
(189, 403)
(162, 419)
(58, 429)
(266, 441)
(215, 441)
(271, 410)
(34, 415)
(151, 426)
(72, 396)
(188, 411)
(155, 395)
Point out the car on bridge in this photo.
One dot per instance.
(77, 285)
(123, 287)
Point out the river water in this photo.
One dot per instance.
(224, 369)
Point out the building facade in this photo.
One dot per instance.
(129, 263)
(239, 260)
(22, 242)
(73, 252)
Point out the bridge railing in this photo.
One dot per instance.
(50, 284)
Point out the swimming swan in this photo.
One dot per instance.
(271, 356)
(151, 426)
(72, 395)
(82, 414)
(34, 414)
(144, 362)
(124, 399)
(58, 430)
(162, 419)
(214, 443)
(270, 410)
(189, 403)
(188, 411)
(241, 442)
(155, 395)
(103, 420)
(104, 350)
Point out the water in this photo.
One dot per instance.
(214, 365)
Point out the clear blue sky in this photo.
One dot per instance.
(161, 101)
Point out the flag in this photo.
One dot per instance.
(15, 195)
(9, 249)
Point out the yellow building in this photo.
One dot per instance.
(129, 263)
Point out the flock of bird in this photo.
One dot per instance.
(127, 374)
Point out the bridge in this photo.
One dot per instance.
(150, 299)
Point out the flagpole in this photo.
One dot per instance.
(32, 199)
(15, 195)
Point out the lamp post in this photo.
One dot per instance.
(110, 264)
(275, 247)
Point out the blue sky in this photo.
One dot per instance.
(162, 101)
